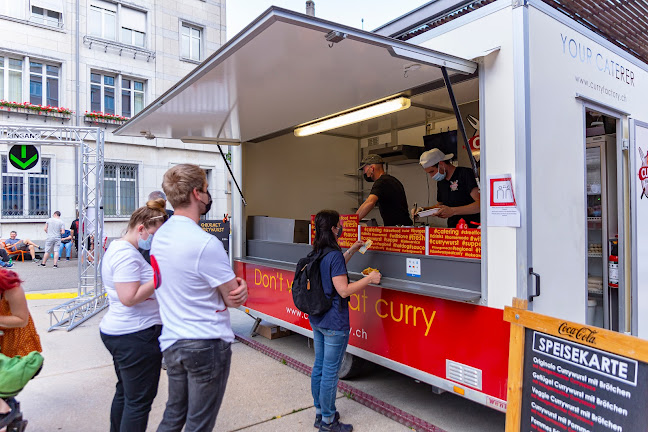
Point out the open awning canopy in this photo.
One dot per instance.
(286, 69)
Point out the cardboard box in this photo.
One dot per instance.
(270, 331)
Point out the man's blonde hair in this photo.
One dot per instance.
(179, 182)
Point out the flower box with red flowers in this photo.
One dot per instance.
(29, 108)
(99, 117)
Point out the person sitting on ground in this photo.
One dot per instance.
(54, 227)
(66, 244)
(16, 244)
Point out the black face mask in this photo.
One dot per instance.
(367, 178)
(339, 234)
(208, 204)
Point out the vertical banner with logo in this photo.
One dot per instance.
(639, 212)
(219, 229)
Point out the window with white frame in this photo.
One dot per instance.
(102, 93)
(46, 16)
(132, 37)
(106, 19)
(102, 20)
(132, 100)
(133, 26)
(43, 84)
(190, 42)
(104, 90)
(26, 195)
(120, 189)
(11, 79)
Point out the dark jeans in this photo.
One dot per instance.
(137, 360)
(198, 372)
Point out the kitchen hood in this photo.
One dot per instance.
(399, 154)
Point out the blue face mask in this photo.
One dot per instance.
(145, 244)
(438, 176)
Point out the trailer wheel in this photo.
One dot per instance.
(351, 366)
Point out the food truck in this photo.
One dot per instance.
(551, 112)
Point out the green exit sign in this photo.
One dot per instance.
(24, 158)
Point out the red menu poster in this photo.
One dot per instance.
(464, 243)
(392, 239)
(349, 230)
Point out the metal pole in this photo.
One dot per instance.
(460, 123)
(81, 205)
(77, 41)
(232, 174)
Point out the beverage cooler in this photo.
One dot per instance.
(602, 229)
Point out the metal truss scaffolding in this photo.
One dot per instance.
(91, 296)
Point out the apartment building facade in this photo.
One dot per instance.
(95, 63)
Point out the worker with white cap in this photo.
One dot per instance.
(457, 191)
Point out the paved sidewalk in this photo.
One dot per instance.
(74, 390)
(38, 278)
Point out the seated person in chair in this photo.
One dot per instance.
(16, 244)
(5, 260)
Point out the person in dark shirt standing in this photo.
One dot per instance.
(457, 191)
(387, 192)
(74, 229)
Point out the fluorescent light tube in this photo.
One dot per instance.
(362, 114)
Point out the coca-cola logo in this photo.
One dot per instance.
(643, 173)
(584, 334)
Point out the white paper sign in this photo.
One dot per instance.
(502, 208)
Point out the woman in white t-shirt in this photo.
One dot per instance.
(131, 328)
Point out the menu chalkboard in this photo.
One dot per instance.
(569, 377)
(219, 229)
(571, 387)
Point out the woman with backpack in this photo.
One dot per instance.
(331, 328)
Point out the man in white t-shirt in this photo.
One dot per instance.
(54, 227)
(196, 285)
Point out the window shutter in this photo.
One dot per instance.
(53, 5)
(133, 19)
(104, 5)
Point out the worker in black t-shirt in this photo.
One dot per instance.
(386, 191)
(457, 191)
